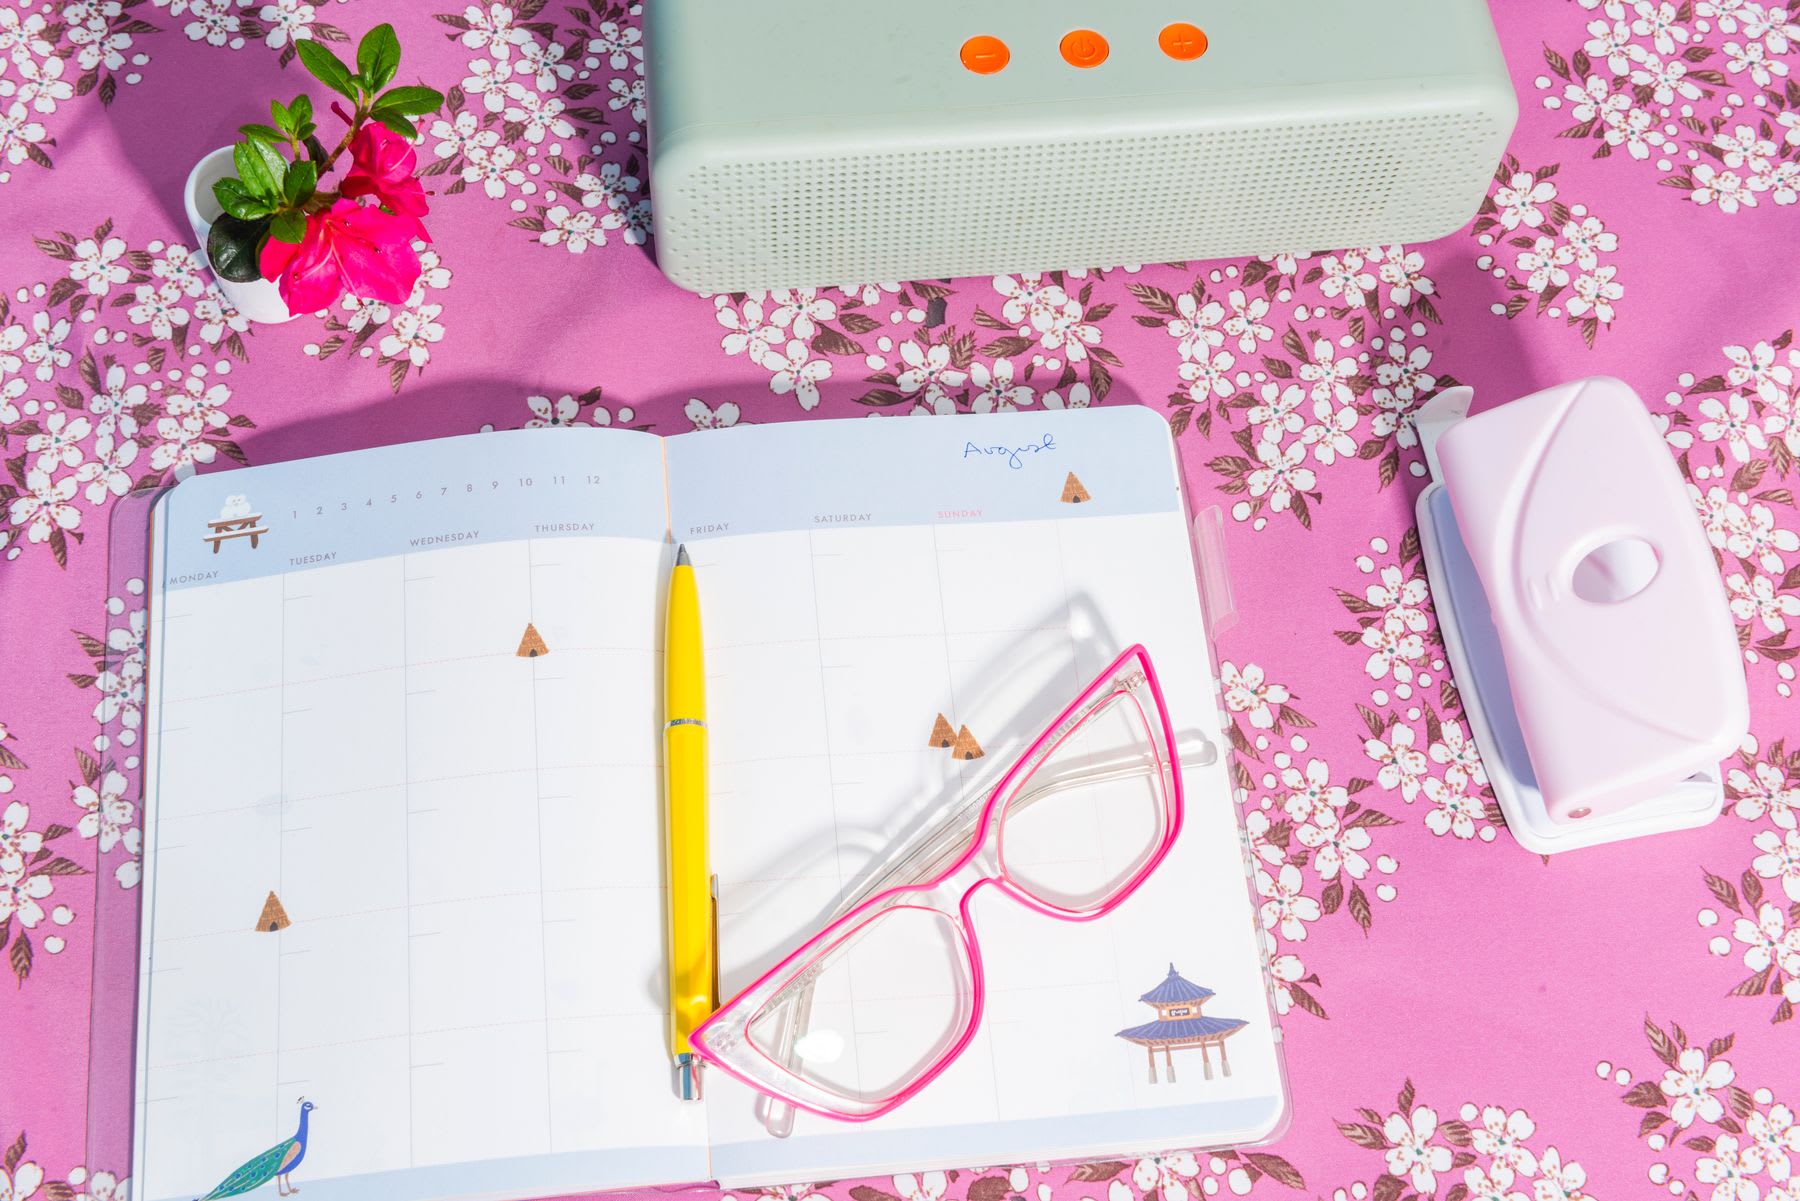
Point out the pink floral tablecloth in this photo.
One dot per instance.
(1464, 1020)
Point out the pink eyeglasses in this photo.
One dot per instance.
(881, 1001)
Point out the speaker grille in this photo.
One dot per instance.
(918, 214)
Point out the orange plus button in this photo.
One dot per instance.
(1183, 41)
(1085, 48)
(985, 55)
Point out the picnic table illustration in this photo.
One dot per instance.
(235, 520)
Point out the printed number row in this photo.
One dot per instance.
(394, 498)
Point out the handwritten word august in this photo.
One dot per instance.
(1014, 455)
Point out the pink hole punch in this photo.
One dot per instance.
(1583, 614)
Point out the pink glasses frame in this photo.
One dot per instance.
(726, 1031)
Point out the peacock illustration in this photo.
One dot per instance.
(274, 1164)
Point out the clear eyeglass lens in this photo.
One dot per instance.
(1092, 811)
(908, 975)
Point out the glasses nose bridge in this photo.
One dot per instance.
(949, 894)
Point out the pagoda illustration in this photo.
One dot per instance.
(1179, 1024)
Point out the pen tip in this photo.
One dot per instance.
(681, 555)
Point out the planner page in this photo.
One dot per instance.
(893, 610)
(402, 919)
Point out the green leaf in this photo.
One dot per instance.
(272, 159)
(302, 179)
(293, 121)
(234, 199)
(296, 120)
(231, 248)
(397, 123)
(378, 56)
(254, 171)
(326, 67)
(289, 226)
(410, 101)
(264, 132)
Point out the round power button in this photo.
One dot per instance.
(1085, 48)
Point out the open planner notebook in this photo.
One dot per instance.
(403, 798)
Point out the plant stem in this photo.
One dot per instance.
(322, 200)
(356, 123)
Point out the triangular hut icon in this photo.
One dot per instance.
(532, 644)
(965, 746)
(942, 734)
(273, 916)
(1074, 493)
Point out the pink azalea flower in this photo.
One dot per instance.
(351, 248)
(384, 165)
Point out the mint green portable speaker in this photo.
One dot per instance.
(820, 142)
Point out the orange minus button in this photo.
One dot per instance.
(985, 55)
(1183, 41)
(1084, 48)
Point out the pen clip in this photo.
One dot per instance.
(717, 1000)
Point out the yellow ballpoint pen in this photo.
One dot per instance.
(692, 949)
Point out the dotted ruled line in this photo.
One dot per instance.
(410, 905)
(370, 671)
(819, 639)
(409, 783)
(399, 1034)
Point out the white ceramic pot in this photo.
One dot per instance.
(259, 301)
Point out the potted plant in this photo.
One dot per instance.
(289, 225)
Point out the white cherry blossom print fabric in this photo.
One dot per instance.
(1463, 1021)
